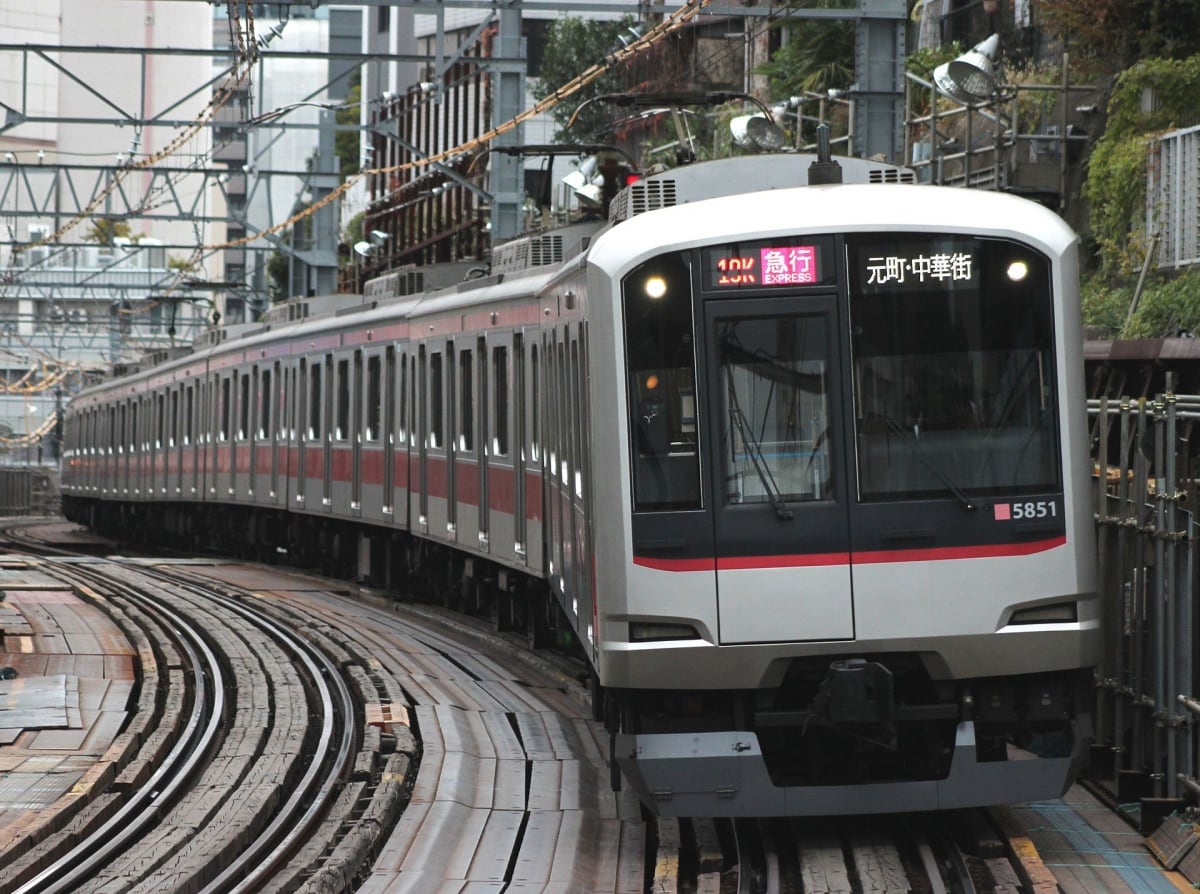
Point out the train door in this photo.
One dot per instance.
(243, 469)
(483, 450)
(225, 453)
(331, 425)
(450, 409)
(780, 495)
(466, 449)
(388, 423)
(273, 422)
(553, 527)
(581, 485)
(520, 448)
(174, 470)
(304, 433)
(254, 429)
(191, 448)
(423, 436)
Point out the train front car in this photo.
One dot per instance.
(855, 564)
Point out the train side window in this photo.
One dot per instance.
(535, 407)
(288, 411)
(314, 402)
(265, 396)
(661, 385)
(226, 416)
(402, 419)
(160, 410)
(500, 400)
(174, 431)
(374, 398)
(466, 385)
(341, 430)
(189, 415)
(435, 400)
(244, 407)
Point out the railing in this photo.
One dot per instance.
(1146, 733)
(986, 145)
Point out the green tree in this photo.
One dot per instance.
(817, 56)
(1116, 179)
(1123, 31)
(572, 46)
(346, 144)
(105, 230)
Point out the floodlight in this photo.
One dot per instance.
(756, 132)
(972, 76)
(582, 181)
(378, 237)
(364, 248)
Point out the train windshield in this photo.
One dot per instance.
(774, 410)
(953, 368)
(662, 386)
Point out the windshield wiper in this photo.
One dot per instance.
(754, 449)
(926, 461)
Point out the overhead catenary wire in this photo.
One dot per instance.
(668, 25)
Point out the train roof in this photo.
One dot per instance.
(773, 191)
(850, 207)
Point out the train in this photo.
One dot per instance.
(793, 450)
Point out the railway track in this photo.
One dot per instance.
(244, 735)
(428, 751)
(958, 853)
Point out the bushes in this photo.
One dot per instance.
(1167, 308)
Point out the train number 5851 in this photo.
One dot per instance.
(1035, 509)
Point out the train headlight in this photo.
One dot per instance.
(1017, 271)
(655, 287)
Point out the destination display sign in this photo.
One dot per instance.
(787, 262)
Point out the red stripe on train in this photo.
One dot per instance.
(874, 557)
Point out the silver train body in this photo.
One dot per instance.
(803, 468)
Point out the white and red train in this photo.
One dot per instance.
(803, 469)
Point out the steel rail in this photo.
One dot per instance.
(310, 798)
(146, 805)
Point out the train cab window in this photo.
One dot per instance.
(466, 403)
(954, 371)
(661, 385)
(341, 429)
(500, 400)
(374, 398)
